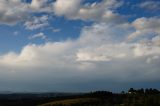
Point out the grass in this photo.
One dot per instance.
(70, 101)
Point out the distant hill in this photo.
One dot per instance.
(30, 99)
(149, 97)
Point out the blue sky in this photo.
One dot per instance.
(79, 45)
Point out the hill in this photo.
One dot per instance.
(149, 97)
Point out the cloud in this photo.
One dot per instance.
(150, 5)
(106, 52)
(15, 33)
(156, 40)
(103, 11)
(146, 50)
(40, 6)
(37, 22)
(100, 54)
(15, 11)
(12, 11)
(67, 8)
(38, 35)
(145, 27)
(54, 64)
(104, 42)
(149, 60)
(56, 30)
(97, 11)
(103, 55)
(152, 23)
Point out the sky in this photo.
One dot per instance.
(79, 45)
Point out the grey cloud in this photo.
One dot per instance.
(14, 11)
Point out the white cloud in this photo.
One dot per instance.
(76, 9)
(150, 5)
(38, 35)
(37, 22)
(145, 49)
(15, 11)
(40, 6)
(156, 40)
(56, 30)
(145, 27)
(66, 7)
(104, 42)
(152, 23)
(15, 33)
(103, 11)
(103, 52)
(12, 11)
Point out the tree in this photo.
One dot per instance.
(131, 90)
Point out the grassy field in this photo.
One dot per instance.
(69, 102)
(103, 98)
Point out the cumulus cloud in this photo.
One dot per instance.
(37, 22)
(107, 42)
(145, 27)
(156, 40)
(67, 8)
(97, 11)
(15, 11)
(32, 54)
(40, 6)
(152, 23)
(12, 11)
(103, 52)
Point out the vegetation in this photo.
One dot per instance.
(139, 97)
(77, 101)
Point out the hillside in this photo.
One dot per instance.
(104, 98)
(76, 101)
